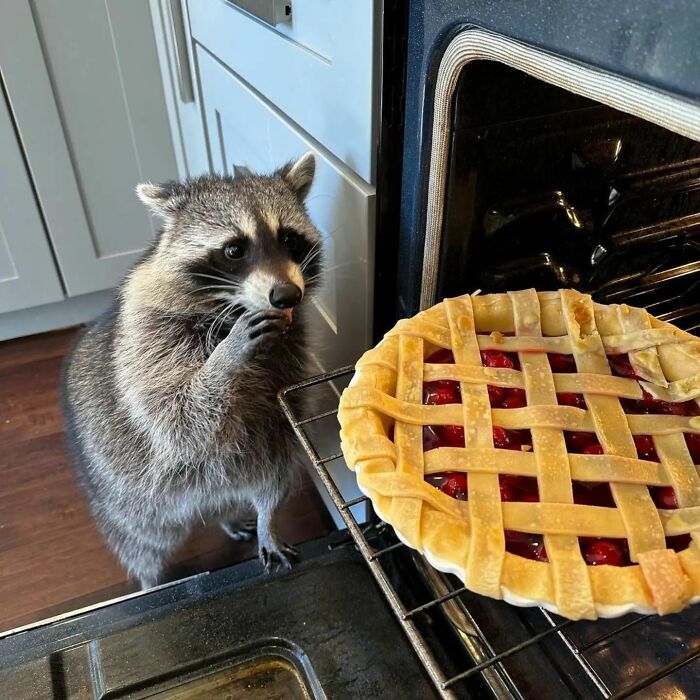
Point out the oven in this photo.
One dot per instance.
(544, 145)
(540, 145)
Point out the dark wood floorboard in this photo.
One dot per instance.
(52, 558)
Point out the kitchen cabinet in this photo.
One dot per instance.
(318, 69)
(27, 273)
(83, 86)
(171, 24)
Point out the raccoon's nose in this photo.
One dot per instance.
(285, 296)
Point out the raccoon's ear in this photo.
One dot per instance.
(166, 199)
(300, 175)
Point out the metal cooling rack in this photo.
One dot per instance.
(592, 659)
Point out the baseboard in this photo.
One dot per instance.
(51, 317)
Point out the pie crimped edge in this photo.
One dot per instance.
(391, 473)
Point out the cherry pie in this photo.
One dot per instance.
(540, 446)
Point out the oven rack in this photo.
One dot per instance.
(448, 592)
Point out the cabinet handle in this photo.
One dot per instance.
(182, 59)
(273, 12)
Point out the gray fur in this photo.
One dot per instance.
(170, 398)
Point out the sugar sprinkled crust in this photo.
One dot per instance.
(467, 537)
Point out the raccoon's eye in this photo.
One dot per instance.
(289, 239)
(234, 251)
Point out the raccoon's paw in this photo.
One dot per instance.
(268, 323)
(241, 531)
(278, 559)
(255, 329)
(252, 332)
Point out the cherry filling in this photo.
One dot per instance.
(593, 493)
(568, 399)
(692, 440)
(515, 398)
(595, 551)
(562, 363)
(518, 488)
(664, 497)
(577, 442)
(645, 447)
(454, 484)
(441, 392)
(526, 545)
(442, 357)
(621, 366)
(498, 359)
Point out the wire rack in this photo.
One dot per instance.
(491, 643)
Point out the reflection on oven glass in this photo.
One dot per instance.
(259, 679)
(547, 190)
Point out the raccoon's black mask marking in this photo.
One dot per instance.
(268, 249)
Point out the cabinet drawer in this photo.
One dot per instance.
(318, 69)
(245, 131)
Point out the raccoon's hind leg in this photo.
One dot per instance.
(274, 554)
(144, 552)
(240, 524)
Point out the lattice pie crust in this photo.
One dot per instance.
(382, 417)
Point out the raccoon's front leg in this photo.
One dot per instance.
(201, 410)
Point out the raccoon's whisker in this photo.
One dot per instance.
(217, 278)
(220, 318)
(218, 306)
(338, 266)
(223, 316)
(313, 278)
(209, 335)
(309, 258)
(315, 247)
(215, 286)
(318, 196)
(313, 250)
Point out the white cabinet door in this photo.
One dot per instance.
(84, 84)
(244, 129)
(171, 26)
(318, 68)
(28, 276)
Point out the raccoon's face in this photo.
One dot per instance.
(238, 243)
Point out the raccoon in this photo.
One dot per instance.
(170, 398)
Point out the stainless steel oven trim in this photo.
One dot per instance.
(61, 617)
(663, 109)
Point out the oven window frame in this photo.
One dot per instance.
(474, 44)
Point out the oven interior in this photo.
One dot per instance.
(547, 189)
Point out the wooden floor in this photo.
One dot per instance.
(52, 558)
